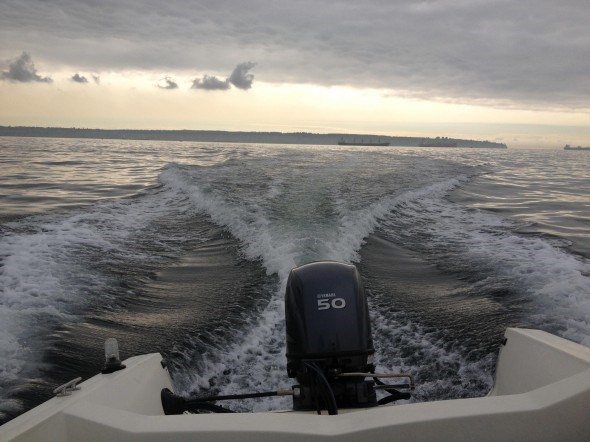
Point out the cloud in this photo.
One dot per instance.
(23, 70)
(210, 83)
(240, 77)
(522, 53)
(167, 83)
(77, 78)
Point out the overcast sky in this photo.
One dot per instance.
(523, 56)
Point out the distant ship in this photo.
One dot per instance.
(568, 147)
(342, 142)
(438, 142)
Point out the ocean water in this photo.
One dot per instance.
(185, 248)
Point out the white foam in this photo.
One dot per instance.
(552, 280)
(440, 367)
(248, 223)
(43, 262)
(356, 225)
(50, 270)
(551, 276)
(257, 361)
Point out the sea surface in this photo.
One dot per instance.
(184, 248)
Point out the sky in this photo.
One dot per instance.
(502, 70)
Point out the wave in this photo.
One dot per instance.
(52, 267)
(256, 359)
(478, 243)
(549, 285)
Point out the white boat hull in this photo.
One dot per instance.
(541, 393)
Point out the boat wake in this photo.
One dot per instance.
(443, 280)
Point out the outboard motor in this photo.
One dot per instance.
(328, 337)
(329, 347)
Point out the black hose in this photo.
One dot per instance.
(325, 388)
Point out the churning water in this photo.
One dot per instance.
(185, 248)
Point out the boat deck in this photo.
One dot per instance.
(541, 393)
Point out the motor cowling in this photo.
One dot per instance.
(327, 325)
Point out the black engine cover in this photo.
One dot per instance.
(327, 319)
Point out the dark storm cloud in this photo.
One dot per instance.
(77, 78)
(523, 53)
(240, 77)
(23, 70)
(210, 83)
(167, 83)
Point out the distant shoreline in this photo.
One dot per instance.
(228, 136)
